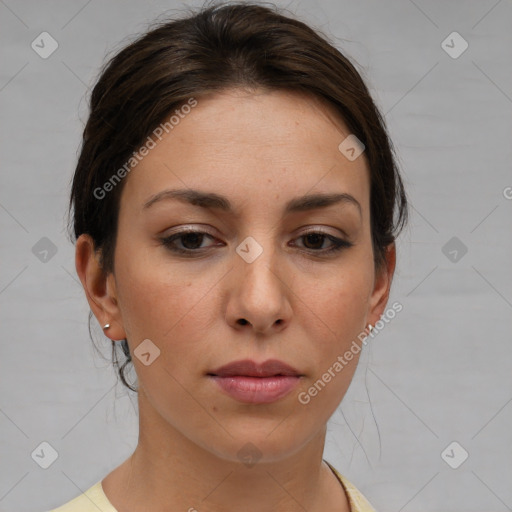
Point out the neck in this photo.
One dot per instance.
(169, 471)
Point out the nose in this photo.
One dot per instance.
(259, 295)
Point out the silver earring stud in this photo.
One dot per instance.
(370, 327)
(106, 326)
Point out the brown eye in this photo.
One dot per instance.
(314, 240)
(190, 241)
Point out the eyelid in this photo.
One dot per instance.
(320, 229)
(202, 229)
(184, 228)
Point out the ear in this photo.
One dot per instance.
(99, 287)
(382, 286)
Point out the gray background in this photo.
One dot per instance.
(439, 372)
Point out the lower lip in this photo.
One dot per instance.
(257, 390)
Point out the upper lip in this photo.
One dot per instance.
(249, 368)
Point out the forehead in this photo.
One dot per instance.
(263, 147)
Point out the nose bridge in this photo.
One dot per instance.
(257, 254)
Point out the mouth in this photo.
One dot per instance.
(257, 390)
(248, 368)
(250, 382)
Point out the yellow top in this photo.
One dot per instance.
(357, 502)
(95, 500)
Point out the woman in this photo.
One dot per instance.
(234, 215)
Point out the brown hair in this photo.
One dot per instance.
(218, 47)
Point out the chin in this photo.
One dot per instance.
(251, 446)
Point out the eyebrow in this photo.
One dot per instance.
(210, 200)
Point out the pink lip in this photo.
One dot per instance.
(249, 368)
(250, 382)
(257, 390)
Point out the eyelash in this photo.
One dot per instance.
(338, 243)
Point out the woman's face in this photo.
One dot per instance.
(303, 305)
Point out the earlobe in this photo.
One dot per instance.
(98, 287)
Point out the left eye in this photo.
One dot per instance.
(191, 242)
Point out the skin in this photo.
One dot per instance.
(259, 149)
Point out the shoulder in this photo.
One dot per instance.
(358, 503)
(92, 500)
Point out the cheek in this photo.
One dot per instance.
(336, 309)
(164, 302)
(339, 311)
(341, 301)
